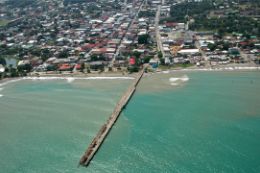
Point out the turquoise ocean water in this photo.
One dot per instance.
(203, 122)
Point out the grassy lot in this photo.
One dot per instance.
(4, 22)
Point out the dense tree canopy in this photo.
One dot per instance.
(63, 54)
(229, 24)
(2, 61)
(143, 39)
(25, 67)
(95, 57)
(180, 12)
(146, 14)
(20, 3)
(230, 21)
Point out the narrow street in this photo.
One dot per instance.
(158, 36)
(129, 26)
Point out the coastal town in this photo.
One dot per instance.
(130, 86)
(40, 37)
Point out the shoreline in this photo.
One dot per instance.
(217, 69)
(119, 75)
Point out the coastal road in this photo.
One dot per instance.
(203, 54)
(157, 30)
(158, 36)
(246, 57)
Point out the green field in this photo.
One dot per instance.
(4, 22)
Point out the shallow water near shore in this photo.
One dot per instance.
(176, 122)
(46, 125)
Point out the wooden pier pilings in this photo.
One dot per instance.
(105, 129)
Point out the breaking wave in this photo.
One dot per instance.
(10, 81)
(1, 95)
(71, 79)
(176, 81)
(174, 84)
(217, 69)
(183, 79)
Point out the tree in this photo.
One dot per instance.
(95, 57)
(162, 61)
(143, 39)
(63, 54)
(88, 70)
(146, 14)
(36, 52)
(13, 72)
(137, 54)
(221, 32)
(212, 47)
(24, 68)
(2, 61)
(147, 59)
(45, 54)
(160, 55)
(133, 69)
(82, 67)
(51, 68)
(12, 51)
(226, 46)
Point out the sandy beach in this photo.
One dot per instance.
(121, 75)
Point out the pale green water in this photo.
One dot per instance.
(208, 124)
(45, 126)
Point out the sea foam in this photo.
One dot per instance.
(71, 79)
(176, 81)
(215, 69)
(183, 79)
(10, 81)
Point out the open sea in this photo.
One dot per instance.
(177, 122)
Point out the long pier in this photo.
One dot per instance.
(105, 129)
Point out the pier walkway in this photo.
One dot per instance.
(105, 129)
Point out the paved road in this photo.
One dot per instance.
(158, 36)
(246, 57)
(204, 56)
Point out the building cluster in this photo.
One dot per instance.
(183, 46)
(180, 45)
(101, 35)
(57, 35)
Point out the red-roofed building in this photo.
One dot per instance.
(132, 61)
(88, 46)
(65, 67)
(78, 66)
(103, 50)
(243, 43)
(171, 24)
